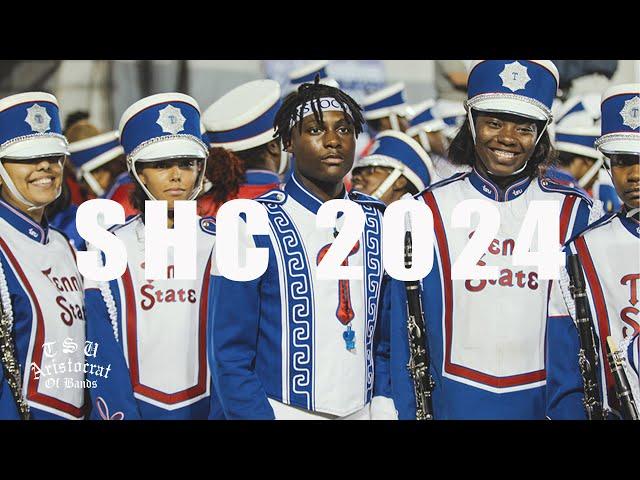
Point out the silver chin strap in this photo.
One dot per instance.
(388, 182)
(593, 170)
(633, 212)
(424, 140)
(93, 183)
(395, 124)
(473, 134)
(284, 160)
(6, 179)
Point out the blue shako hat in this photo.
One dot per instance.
(93, 152)
(620, 108)
(160, 127)
(307, 74)
(243, 118)
(30, 127)
(404, 155)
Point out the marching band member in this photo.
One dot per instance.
(41, 293)
(486, 337)
(396, 167)
(610, 257)
(152, 333)
(289, 345)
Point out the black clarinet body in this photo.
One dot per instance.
(418, 346)
(588, 354)
(628, 408)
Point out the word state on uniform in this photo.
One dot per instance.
(239, 219)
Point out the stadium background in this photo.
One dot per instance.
(107, 87)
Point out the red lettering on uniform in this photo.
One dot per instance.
(67, 315)
(533, 281)
(508, 244)
(632, 278)
(494, 247)
(192, 296)
(520, 278)
(625, 316)
(149, 301)
(506, 278)
(170, 296)
(181, 294)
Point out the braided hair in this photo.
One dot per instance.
(289, 114)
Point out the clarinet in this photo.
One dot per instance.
(587, 356)
(623, 390)
(418, 349)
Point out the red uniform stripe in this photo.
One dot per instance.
(601, 309)
(565, 217)
(32, 387)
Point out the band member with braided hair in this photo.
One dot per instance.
(41, 290)
(290, 345)
(609, 253)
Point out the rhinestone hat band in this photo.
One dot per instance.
(163, 139)
(509, 96)
(614, 137)
(32, 136)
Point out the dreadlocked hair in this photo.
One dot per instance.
(289, 114)
(226, 171)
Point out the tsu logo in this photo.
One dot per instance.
(515, 76)
(631, 113)
(38, 118)
(33, 233)
(171, 120)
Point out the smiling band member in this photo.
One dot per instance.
(289, 345)
(609, 252)
(486, 337)
(40, 286)
(152, 333)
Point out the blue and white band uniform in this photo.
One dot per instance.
(278, 343)
(94, 152)
(46, 300)
(492, 366)
(612, 280)
(153, 334)
(613, 287)
(486, 337)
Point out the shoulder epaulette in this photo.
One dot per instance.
(272, 196)
(208, 225)
(362, 198)
(598, 223)
(549, 185)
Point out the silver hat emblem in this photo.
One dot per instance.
(515, 76)
(38, 118)
(631, 113)
(171, 120)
